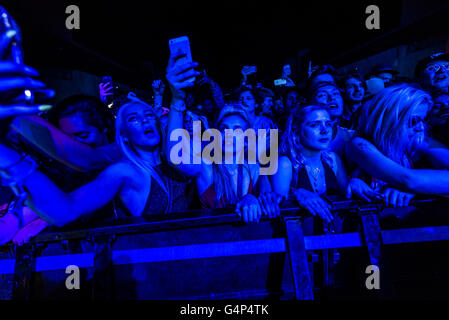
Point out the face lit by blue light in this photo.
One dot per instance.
(331, 97)
(416, 129)
(316, 130)
(436, 74)
(140, 126)
(354, 90)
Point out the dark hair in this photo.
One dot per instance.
(92, 110)
(342, 82)
(321, 69)
(254, 92)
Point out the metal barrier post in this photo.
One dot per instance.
(103, 277)
(373, 239)
(298, 259)
(23, 272)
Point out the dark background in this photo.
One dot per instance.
(129, 39)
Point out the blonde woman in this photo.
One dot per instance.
(308, 169)
(391, 138)
(141, 181)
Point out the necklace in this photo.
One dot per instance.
(314, 174)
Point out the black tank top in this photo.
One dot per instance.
(177, 200)
(303, 181)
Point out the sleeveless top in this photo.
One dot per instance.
(158, 201)
(302, 180)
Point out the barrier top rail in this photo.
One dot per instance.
(196, 218)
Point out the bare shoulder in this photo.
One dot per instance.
(362, 144)
(123, 169)
(284, 162)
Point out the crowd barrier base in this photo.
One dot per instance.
(200, 255)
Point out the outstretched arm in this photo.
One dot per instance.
(56, 206)
(372, 161)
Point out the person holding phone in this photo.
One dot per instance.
(219, 185)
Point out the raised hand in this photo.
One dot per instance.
(106, 89)
(15, 76)
(180, 75)
(158, 87)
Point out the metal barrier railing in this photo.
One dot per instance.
(294, 243)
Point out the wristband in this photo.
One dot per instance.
(179, 106)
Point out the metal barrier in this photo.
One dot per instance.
(184, 231)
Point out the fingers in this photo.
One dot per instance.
(265, 205)
(106, 86)
(19, 110)
(182, 69)
(401, 199)
(245, 214)
(348, 192)
(387, 197)
(324, 211)
(258, 213)
(238, 209)
(408, 198)
(9, 67)
(20, 83)
(5, 42)
(175, 56)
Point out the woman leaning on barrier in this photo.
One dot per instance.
(391, 138)
(308, 169)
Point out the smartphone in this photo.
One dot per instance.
(280, 82)
(109, 99)
(181, 44)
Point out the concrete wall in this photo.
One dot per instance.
(404, 58)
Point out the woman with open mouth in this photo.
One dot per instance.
(142, 181)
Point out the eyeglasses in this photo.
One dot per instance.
(436, 67)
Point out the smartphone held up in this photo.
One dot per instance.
(181, 45)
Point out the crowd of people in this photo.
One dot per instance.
(375, 137)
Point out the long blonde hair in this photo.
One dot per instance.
(222, 177)
(128, 148)
(385, 117)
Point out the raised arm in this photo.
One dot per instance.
(63, 148)
(178, 76)
(372, 161)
